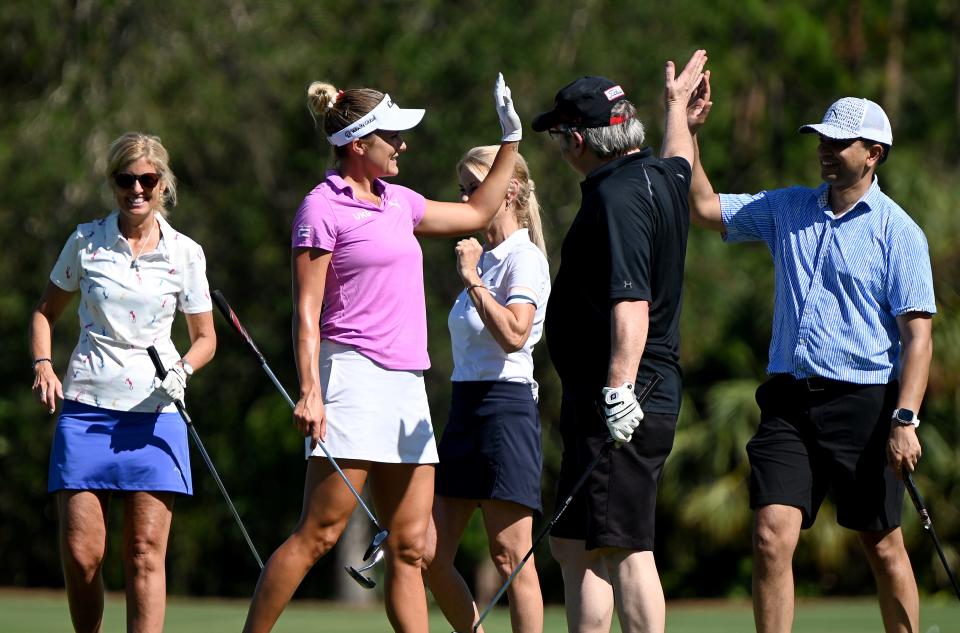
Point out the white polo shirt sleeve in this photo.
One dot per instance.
(66, 272)
(526, 277)
(194, 295)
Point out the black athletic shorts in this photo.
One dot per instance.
(617, 504)
(818, 435)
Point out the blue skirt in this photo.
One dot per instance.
(491, 448)
(103, 449)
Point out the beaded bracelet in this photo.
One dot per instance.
(41, 360)
(472, 286)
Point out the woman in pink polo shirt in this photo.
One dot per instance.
(360, 336)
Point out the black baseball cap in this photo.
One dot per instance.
(585, 102)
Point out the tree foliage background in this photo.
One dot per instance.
(223, 83)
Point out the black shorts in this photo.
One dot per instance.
(817, 435)
(617, 504)
(490, 448)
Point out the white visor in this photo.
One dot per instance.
(386, 116)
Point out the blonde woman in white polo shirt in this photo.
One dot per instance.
(490, 452)
(118, 430)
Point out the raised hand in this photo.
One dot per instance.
(678, 89)
(509, 119)
(698, 107)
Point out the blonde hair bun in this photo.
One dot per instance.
(320, 97)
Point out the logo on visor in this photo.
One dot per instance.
(389, 102)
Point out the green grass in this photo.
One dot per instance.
(46, 612)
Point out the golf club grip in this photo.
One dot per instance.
(234, 320)
(915, 497)
(648, 388)
(162, 372)
(157, 363)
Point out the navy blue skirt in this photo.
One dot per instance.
(491, 447)
(103, 449)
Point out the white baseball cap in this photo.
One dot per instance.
(386, 116)
(852, 117)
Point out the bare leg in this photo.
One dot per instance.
(775, 535)
(146, 528)
(896, 585)
(327, 505)
(83, 541)
(403, 494)
(509, 528)
(450, 518)
(587, 590)
(637, 590)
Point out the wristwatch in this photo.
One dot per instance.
(905, 417)
(187, 367)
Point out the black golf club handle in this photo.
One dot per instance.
(162, 372)
(221, 302)
(915, 497)
(648, 387)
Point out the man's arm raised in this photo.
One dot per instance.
(704, 202)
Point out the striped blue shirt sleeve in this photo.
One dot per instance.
(748, 217)
(909, 278)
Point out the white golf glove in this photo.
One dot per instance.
(621, 412)
(174, 384)
(509, 119)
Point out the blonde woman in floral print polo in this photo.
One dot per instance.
(118, 430)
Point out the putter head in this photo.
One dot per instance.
(376, 543)
(363, 581)
(357, 574)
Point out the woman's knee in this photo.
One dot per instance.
(316, 540)
(409, 548)
(505, 560)
(145, 553)
(82, 559)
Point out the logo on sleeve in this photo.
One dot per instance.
(304, 231)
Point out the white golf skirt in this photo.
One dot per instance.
(373, 413)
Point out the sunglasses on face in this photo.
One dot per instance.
(125, 180)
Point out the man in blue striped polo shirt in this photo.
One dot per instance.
(849, 356)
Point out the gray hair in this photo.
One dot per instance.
(617, 140)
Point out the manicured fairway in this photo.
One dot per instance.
(46, 612)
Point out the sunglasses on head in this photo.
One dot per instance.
(125, 180)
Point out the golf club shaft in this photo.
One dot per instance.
(927, 524)
(231, 316)
(641, 398)
(162, 372)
